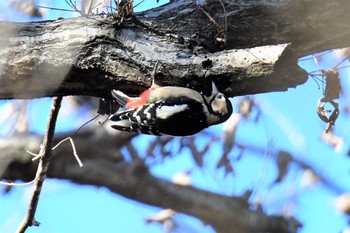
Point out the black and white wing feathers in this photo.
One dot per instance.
(159, 117)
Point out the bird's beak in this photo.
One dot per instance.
(214, 88)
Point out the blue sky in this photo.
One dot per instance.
(288, 122)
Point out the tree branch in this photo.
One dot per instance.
(134, 181)
(96, 58)
(90, 56)
(44, 155)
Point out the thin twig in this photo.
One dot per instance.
(86, 123)
(16, 184)
(139, 3)
(336, 66)
(73, 147)
(74, 7)
(211, 19)
(221, 30)
(54, 8)
(226, 23)
(45, 154)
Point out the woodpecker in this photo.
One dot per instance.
(169, 110)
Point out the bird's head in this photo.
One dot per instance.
(218, 105)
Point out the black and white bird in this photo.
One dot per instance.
(169, 110)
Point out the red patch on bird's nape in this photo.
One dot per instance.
(134, 103)
(141, 100)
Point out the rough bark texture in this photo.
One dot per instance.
(97, 57)
(90, 56)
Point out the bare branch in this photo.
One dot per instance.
(73, 147)
(134, 181)
(45, 154)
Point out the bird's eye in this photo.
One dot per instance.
(220, 97)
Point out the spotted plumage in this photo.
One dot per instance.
(175, 111)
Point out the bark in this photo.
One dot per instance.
(255, 51)
(134, 181)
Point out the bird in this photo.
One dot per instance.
(170, 110)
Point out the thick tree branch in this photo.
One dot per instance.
(96, 58)
(133, 180)
(309, 26)
(90, 56)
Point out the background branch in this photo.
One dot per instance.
(133, 180)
